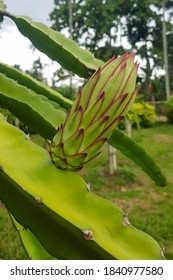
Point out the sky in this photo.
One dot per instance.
(15, 48)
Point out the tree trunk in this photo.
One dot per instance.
(165, 53)
(111, 159)
(128, 127)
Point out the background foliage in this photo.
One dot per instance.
(108, 27)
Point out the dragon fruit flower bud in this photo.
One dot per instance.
(97, 110)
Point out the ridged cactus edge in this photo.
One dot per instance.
(32, 245)
(56, 46)
(37, 86)
(57, 206)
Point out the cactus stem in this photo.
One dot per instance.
(38, 200)
(126, 220)
(88, 235)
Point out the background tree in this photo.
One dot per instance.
(95, 23)
(108, 27)
(37, 70)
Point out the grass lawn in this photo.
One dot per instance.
(150, 207)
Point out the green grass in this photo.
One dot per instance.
(150, 207)
(10, 243)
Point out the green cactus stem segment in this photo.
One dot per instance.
(69, 211)
(35, 85)
(133, 150)
(99, 107)
(31, 108)
(33, 247)
(55, 45)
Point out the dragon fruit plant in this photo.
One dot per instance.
(53, 208)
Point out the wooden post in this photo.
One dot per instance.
(111, 159)
(128, 127)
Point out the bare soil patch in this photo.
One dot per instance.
(165, 138)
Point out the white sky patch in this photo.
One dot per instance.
(14, 47)
(38, 10)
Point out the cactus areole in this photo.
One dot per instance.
(102, 103)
